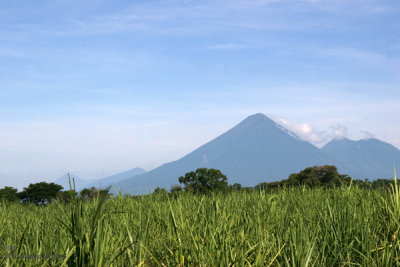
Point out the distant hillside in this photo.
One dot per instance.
(79, 182)
(256, 150)
(104, 182)
(368, 158)
(260, 150)
(113, 179)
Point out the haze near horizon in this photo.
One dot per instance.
(102, 87)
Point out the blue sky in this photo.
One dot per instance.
(98, 87)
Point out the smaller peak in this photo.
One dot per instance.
(341, 139)
(257, 116)
(260, 115)
(370, 139)
(255, 119)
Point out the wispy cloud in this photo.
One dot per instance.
(191, 17)
(11, 53)
(226, 46)
(364, 7)
(179, 18)
(355, 55)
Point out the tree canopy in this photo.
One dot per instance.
(8, 193)
(204, 180)
(40, 192)
(93, 192)
(67, 196)
(326, 176)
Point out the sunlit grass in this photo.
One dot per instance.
(344, 226)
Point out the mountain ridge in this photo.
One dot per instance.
(364, 158)
(81, 183)
(249, 153)
(258, 150)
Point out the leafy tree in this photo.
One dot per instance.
(273, 185)
(326, 175)
(8, 194)
(175, 189)
(204, 180)
(382, 183)
(236, 187)
(40, 192)
(160, 190)
(67, 196)
(92, 193)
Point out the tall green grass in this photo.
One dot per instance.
(347, 226)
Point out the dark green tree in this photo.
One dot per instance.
(40, 193)
(8, 194)
(382, 183)
(67, 196)
(160, 190)
(326, 175)
(204, 180)
(176, 188)
(236, 187)
(92, 193)
(175, 191)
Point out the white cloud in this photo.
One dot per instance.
(367, 135)
(308, 133)
(339, 131)
(303, 130)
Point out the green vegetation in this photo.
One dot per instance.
(292, 225)
(44, 193)
(324, 176)
(92, 193)
(67, 196)
(8, 194)
(204, 180)
(40, 193)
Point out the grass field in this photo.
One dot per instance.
(346, 226)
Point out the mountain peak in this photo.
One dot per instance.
(256, 117)
(255, 120)
(256, 150)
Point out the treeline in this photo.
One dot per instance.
(43, 193)
(324, 176)
(201, 181)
